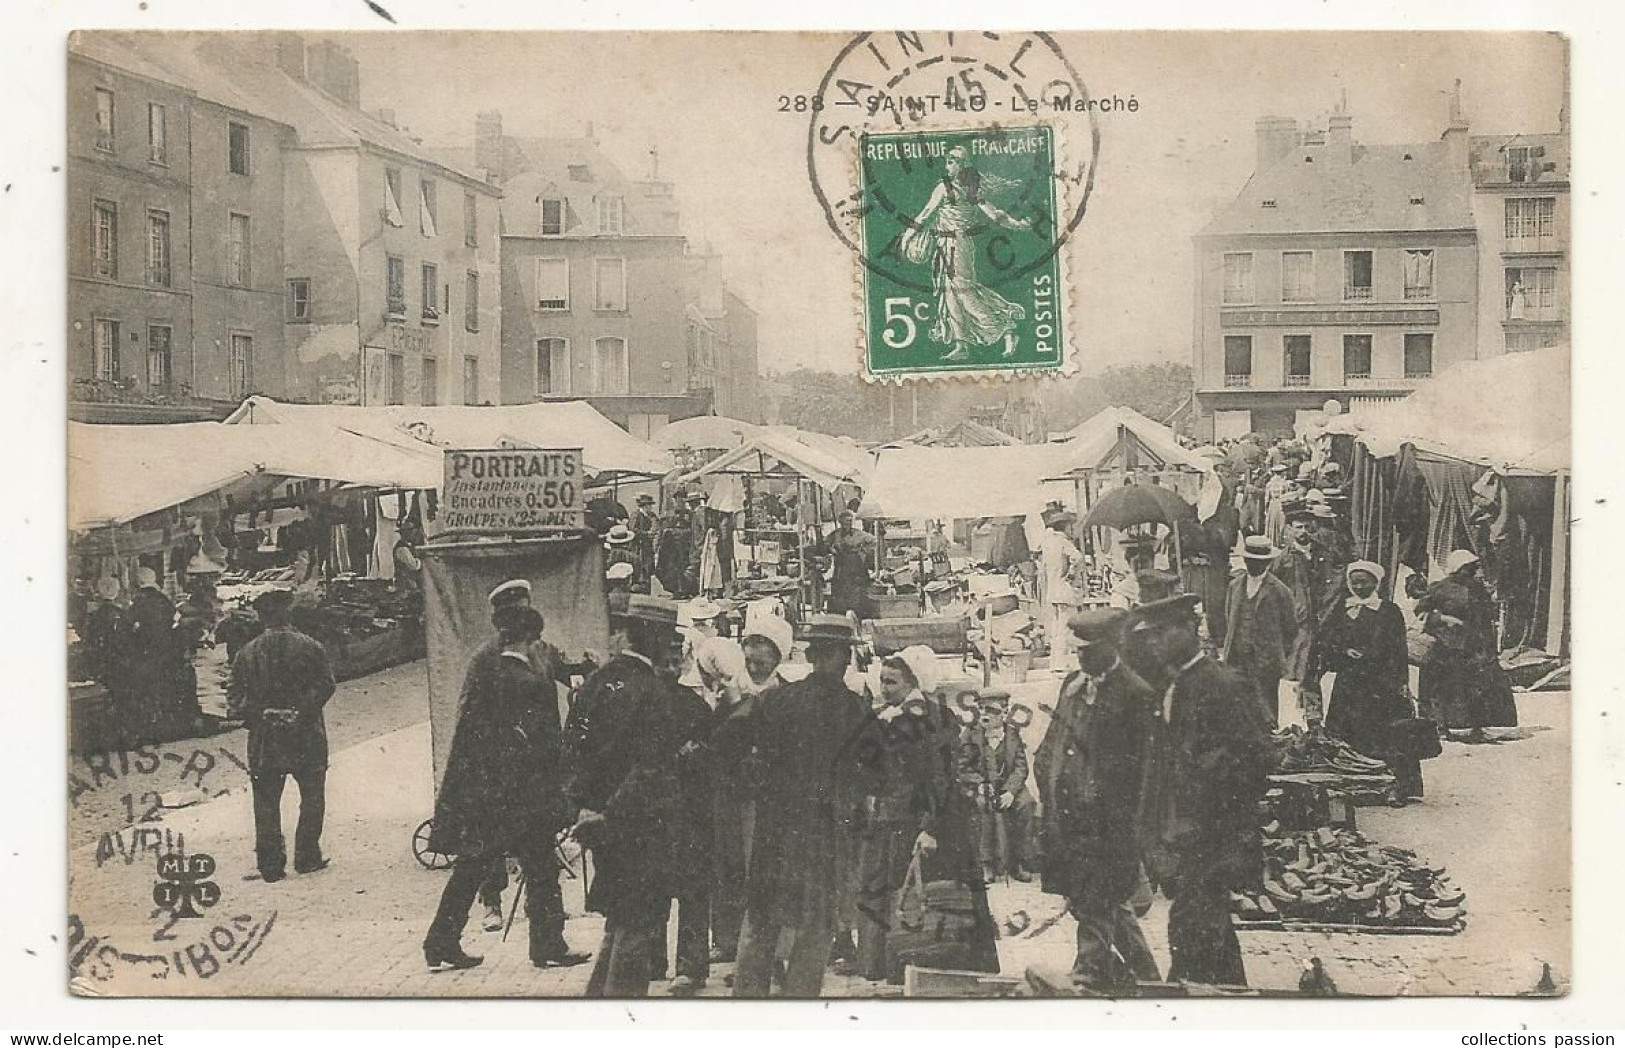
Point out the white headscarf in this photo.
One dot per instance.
(720, 660)
(922, 665)
(1353, 603)
(1459, 559)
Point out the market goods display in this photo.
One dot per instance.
(1338, 879)
(1299, 751)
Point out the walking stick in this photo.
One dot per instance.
(517, 895)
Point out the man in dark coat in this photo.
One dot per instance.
(646, 529)
(1089, 770)
(501, 793)
(1261, 624)
(993, 768)
(280, 681)
(622, 738)
(806, 738)
(1206, 771)
(852, 554)
(1296, 569)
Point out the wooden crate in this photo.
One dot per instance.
(896, 605)
(946, 636)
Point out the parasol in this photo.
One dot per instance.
(1143, 504)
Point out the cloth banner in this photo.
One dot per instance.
(567, 587)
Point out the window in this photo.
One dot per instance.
(1531, 293)
(160, 341)
(1530, 218)
(1418, 276)
(237, 251)
(691, 343)
(1297, 276)
(609, 284)
(157, 133)
(431, 292)
(431, 381)
(1419, 356)
(552, 367)
(1238, 278)
(104, 120)
(1518, 168)
(1356, 275)
(299, 300)
(242, 365)
(397, 378)
(158, 271)
(553, 283)
(104, 350)
(1297, 356)
(611, 215)
(395, 285)
(471, 302)
(1356, 357)
(471, 220)
(552, 217)
(237, 148)
(392, 197)
(104, 239)
(471, 380)
(1238, 360)
(427, 208)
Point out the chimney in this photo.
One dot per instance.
(289, 50)
(1277, 136)
(1455, 133)
(1340, 132)
(335, 71)
(488, 142)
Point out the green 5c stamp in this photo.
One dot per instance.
(962, 271)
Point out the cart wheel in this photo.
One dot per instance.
(427, 857)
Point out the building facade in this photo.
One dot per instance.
(601, 298)
(1521, 208)
(1341, 271)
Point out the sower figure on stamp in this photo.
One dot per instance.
(622, 741)
(805, 737)
(1089, 769)
(993, 768)
(501, 794)
(1206, 771)
(280, 681)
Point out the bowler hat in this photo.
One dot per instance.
(657, 611)
(1097, 625)
(835, 629)
(646, 499)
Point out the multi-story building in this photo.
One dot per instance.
(600, 299)
(175, 193)
(1341, 271)
(321, 252)
(1521, 206)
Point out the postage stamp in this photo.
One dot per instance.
(964, 274)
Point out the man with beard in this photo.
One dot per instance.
(622, 740)
(1089, 770)
(1209, 757)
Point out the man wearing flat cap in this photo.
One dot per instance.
(280, 681)
(1089, 770)
(622, 741)
(1206, 769)
(993, 766)
(806, 736)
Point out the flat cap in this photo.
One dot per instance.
(514, 591)
(1097, 625)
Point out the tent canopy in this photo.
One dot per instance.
(782, 450)
(1510, 412)
(1095, 440)
(606, 448)
(704, 433)
(121, 473)
(946, 483)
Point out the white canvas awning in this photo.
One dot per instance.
(774, 451)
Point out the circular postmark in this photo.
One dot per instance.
(910, 95)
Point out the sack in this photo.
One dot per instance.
(1419, 647)
(935, 925)
(1415, 737)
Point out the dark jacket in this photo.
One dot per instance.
(694, 822)
(808, 738)
(992, 770)
(503, 777)
(1261, 650)
(282, 669)
(1208, 768)
(1368, 654)
(1089, 769)
(621, 742)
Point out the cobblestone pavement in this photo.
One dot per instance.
(1497, 815)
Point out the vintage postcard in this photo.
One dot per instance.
(818, 515)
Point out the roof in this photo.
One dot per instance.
(1372, 191)
(227, 68)
(1464, 413)
(770, 449)
(1095, 440)
(965, 433)
(578, 171)
(121, 473)
(606, 448)
(704, 433)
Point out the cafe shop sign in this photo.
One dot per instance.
(504, 490)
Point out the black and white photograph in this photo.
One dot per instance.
(855, 515)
